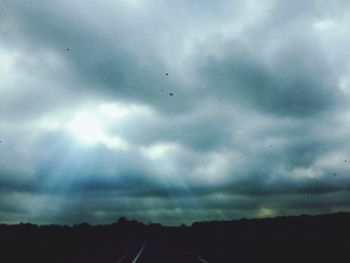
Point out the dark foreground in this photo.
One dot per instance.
(323, 238)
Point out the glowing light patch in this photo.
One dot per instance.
(306, 172)
(214, 162)
(93, 124)
(265, 212)
(159, 150)
(87, 128)
(326, 24)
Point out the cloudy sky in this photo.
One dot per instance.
(173, 111)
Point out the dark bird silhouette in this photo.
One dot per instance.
(171, 94)
(67, 49)
(166, 74)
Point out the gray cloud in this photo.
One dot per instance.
(257, 123)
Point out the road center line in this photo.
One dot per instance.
(202, 260)
(127, 254)
(139, 254)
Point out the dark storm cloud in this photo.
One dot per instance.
(296, 81)
(256, 125)
(99, 59)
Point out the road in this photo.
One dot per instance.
(159, 252)
(143, 251)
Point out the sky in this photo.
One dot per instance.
(173, 111)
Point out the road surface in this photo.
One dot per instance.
(159, 252)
